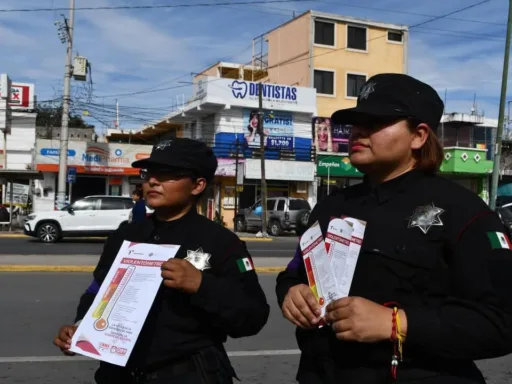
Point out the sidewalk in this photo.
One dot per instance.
(87, 263)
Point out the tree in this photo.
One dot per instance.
(50, 115)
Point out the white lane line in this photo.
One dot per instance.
(61, 359)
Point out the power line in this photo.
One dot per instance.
(127, 7)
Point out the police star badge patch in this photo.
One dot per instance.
(425, 217)
(199, 259)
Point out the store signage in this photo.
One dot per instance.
(246, 94)
(280, 170)
(277, 128)
(330, 137)
(55, 152)
(336, 166)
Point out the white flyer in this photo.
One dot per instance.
(345, 280)
(321, 278)
(110, 329)
(337, 242)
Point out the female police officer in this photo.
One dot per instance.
(430, 276)
(206, 295)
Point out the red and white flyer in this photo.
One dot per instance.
(110, 329)
(337, 242)
(318, 267)
(356, 240)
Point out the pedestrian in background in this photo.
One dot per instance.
(431, 291)
(139, 208)
(210, 290)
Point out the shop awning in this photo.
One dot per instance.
(15, 175)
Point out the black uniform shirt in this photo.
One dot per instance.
(229, 302)
(440, 267)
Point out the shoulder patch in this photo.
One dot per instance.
(499, 240)
(245, 264)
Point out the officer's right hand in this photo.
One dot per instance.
(301, 307)
(63, 340)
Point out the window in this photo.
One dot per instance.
(299, 204)
(85, 205)
(280, 205)
(115, 204)
(395, 37)
(356, 38)
(354, 84)
(270, 205)
(324, 33)
(324, 82)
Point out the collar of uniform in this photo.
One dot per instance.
(189, 215)
(390, 188)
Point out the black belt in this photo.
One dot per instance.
(167, 369)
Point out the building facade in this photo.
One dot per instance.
(224, 113)
(101, 168)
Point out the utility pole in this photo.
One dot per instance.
(236, 180)
(262, 151)
(503, 101)
(63, 154)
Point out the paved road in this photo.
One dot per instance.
(279, 247)
(34, 305)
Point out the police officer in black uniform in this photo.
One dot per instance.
(210, 289)
(433, 274)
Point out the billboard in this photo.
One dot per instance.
(329, 137)
(22, 96)
(277, 129)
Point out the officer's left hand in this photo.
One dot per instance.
(180, 274)
(361, 320)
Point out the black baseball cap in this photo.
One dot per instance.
(181, 154)
(391, 96)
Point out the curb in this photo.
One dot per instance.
(21, 235)
(90, 268)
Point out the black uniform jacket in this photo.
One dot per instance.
(229, 302)
(428, 245)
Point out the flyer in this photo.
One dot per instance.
(320, 274)
(110, 329)
(337, 242)
(356, 240)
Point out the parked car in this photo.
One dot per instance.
(91, 216)
(505, 215)
(283, 214)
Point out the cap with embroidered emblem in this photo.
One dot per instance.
(389, 96)
(181, 154)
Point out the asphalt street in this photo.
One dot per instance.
(34, 305)
(279, 247)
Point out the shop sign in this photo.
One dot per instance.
(336, 166)
(246, 94)
(280, 170)
(227, 167)
(277, 129)
(330, 137)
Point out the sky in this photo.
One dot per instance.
(145, 58)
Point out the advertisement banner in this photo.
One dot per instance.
(87, 157)
(227, 167)
(277, 129)
(329, 137)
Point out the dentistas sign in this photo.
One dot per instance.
(246, 93)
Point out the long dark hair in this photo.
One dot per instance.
(250, 128)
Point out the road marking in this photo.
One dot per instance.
(90, 268)
(60, 359)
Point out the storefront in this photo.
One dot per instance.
(101, 169)
(335, 172)
(225, 114)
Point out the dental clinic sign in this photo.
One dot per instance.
(246, 93)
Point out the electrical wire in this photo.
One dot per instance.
(165, 6)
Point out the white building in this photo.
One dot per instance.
(223, 113)
(101, 169)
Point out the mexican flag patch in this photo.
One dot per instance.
(245, 264)
(499, 240)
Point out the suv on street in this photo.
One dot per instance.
(283, 214)
(90, 216)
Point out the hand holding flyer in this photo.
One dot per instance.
(110, 329)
